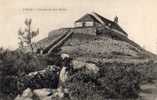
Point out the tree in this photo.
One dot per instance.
(27, 35)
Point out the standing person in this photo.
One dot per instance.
(63, 76)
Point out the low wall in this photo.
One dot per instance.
(84, 30)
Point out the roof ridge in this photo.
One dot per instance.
(97, 17)
(103, 17)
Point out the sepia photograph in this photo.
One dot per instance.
(78, 50)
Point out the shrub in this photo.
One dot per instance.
(83, 86)
(113, 81)
(14, 65)
(120, 81)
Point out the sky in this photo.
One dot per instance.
(137, 17)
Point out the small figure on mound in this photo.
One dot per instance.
(116, 19)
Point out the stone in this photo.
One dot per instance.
(26, 95)
(42, 94)
(92, 68)
(78, 64)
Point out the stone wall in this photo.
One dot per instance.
(84, 30)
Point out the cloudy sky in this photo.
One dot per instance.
(137, 17)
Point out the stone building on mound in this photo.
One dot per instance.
(87, 27)
(100, 24)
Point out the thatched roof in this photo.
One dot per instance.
(87, 17)
(100, 19)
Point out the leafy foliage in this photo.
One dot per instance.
(27, 35)
(115, 80)
(14, 65)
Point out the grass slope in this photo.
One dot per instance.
(100, 47)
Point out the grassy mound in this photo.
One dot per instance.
(81, 45)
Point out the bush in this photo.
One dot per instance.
(83, 86)
(115, 80)
(14, 65)
(120, 81)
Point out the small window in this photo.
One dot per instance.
(78, 24)
(89, 24)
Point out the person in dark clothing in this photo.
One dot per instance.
(66, 69)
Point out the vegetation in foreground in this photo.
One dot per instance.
(115, 80)
(16, 64)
